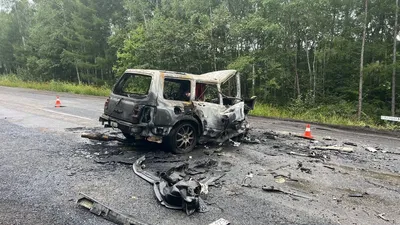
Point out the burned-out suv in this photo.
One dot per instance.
(177, 109)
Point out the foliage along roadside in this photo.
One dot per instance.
(58, 86)
(284, 49)
(327, 114)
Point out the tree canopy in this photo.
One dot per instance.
(285, 49)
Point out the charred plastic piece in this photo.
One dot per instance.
(178, 109)
(101, 137)
(173, 192)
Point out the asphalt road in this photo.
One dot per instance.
(45, 164)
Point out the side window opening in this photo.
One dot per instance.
(229, 87)
(178, 90)
(229, 91)
(133, 85)
(207, 93)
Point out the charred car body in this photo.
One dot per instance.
(178, 109)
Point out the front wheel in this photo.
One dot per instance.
(182, 138)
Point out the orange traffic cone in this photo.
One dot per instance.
(307, 133)
(58, 102)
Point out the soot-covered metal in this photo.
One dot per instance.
(178, 109)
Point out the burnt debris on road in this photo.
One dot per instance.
(108, 213)
(183, 181)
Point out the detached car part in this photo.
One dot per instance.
(106, 212)
(171, 192)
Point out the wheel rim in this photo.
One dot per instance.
(185, 137)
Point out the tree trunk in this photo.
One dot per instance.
(394, 61)
(360, 88)
(77, 73)
(295, 69)
(314, 76)
(213, 48)
(19, 26)
(308, 63)
(253, 81)
(323, 73)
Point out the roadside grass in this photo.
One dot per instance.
(320, 116)
(58, 86)
(323, 114)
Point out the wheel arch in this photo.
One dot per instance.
(193, 120)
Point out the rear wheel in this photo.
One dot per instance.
(182, 138)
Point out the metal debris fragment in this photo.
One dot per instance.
(382, 216)
(209, 182)
(337, 199)
(329, 167)
(298, 154)
(303, 169)
(250, 140)
(210, 151)
(333, 148)
(311, 154)
(371, 149)
(358, 195)
(174, 191)
(183, 195)
(389, 152)
(328, 138)
(123, 159)
(319, 155)
(277, 190)
(234, 143)
(271, 135)
(106, 212)
(350, 143)
(283, 174)
(220, 221)
(248, 176)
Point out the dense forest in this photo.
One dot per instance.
(309, 52)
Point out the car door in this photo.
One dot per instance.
(208, 102)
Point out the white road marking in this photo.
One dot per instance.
(67, 114)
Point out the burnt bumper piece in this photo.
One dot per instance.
(172, 193)
(147, 130)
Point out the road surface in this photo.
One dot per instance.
(45, 164)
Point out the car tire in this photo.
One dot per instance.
(182, 138)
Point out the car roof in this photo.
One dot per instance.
(212, 77)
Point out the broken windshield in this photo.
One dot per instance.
(133, 84)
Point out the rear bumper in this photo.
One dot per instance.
(106, 120)
(148, 131)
